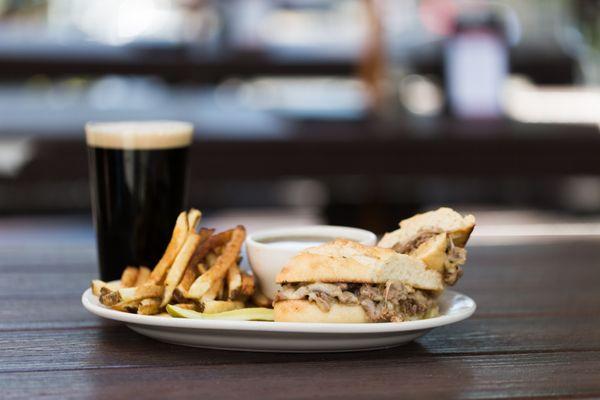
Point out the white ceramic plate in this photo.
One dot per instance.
(285, 336)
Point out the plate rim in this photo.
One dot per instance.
(283, 327)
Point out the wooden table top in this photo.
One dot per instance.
(536, 333)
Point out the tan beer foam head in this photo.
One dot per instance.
(139, 135)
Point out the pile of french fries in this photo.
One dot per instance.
(199, 271)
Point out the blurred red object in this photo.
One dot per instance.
(438, 16)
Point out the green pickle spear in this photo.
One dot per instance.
(243, 314)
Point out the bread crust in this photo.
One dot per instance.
(305, 311)
(444, 219)
(460, 237)
(351, 262)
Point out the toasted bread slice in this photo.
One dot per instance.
(441, 220)
(347, 261)
(306, 311)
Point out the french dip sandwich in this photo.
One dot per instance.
(344, 281)
(398, 280)
(437, 238)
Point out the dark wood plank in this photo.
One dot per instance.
(60, 259)
(545, 278)
(44, 285)
(350, 376)
(112, 345)
(50, 313)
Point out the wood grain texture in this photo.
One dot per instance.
(536, 333)
(111, 345)
(368, 375)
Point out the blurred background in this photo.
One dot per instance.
(350, 112)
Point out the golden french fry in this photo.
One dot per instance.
(219, 250)
(127, 294)
(189, 276)
(104, 290)
(178, 238)
(178, 296)
(127, 306)
(149, 306)
(109, 297)
(217, 306)
(208, 242)
(214, 241)
(221, 294)
(205, 234)
(179, 265)
(234, 281)
(97, 286)
(141, 292)
(260, 300)
(194, 216)
(219, 269)
(116, 285)
(213, 292)
(211, 258)
(142, 276)
(187, 306)
(203, 247)
(201, 268)
(129, 277)
(191, 271)
(247, 285)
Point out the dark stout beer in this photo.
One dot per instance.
(138, 179)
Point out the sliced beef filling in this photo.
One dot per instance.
(390, 302)
(456, 256)
(414, 243)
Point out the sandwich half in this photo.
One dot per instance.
(437, 238)
(344, 281)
